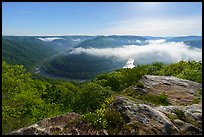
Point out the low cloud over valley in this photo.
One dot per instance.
(161, 51)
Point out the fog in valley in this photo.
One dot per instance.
(156, 50)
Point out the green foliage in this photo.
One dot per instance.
(24, 50)
(140, 85)
(21, 99)
(90, 97)
(180, 115)
(114, 80)
(104, 118)
(97, 118)
(191, 70)
(154, 67)
(171, 116)
(114, 118)
(122, 78)
(81, 66)
(27, 99)
(156, 99)
(140, 97)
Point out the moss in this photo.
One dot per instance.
(156, 99)
(196, 101)
(160, 99)
(114, 118)
(171, 117)
(193, 122)
(198, 93)
(140, 85)
(129, 92)
(97, 119)
(180, 115)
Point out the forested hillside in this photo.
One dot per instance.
(112, 41)
(82, 66)
(25, 50)
(26, 100)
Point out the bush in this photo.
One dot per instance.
(154, 67)
(140, 85)
(191, 70)
(180, 115)
(156, 99)
(90, 98)
(114, 118)
(97, 118)
(104, 118)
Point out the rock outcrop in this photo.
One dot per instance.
(179, 91)
(69, 124)
(182, 117)
(161, 120)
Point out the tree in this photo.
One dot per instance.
(90, 97)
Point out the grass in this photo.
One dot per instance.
(160, 99)
(171, 117)
(156, 99)
(180, 115)
(140, 85)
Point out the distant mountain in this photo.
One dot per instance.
(112, 41)
(29, 50)
(154, 38)
(193, 41)
(184, 38)
(63, 42)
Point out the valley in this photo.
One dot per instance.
(52, 78)
(37, 69)
(101, 68)
(80, 58)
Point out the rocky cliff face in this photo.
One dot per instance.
(182, 117)
(69, 124)
(179, 91)
(161, 120)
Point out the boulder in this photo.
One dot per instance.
(179, 91)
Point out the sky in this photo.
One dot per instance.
(102, 18)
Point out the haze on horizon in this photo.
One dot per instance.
(102, 18)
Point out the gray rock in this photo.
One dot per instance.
(179, 91)
(146, 116)
(181, 117)
(155, 120)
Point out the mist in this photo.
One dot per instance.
(49, 39)
(160, 51)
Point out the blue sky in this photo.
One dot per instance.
(102, 18)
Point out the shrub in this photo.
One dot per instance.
(104, 118)
(90, 98)
(97, 118)
(180, 115)
(140, 85)
(156, 99)
(154, 67)
(114, 118)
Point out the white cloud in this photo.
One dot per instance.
(166, 52)
(159, 41)
(49, 39)
(162, 26)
